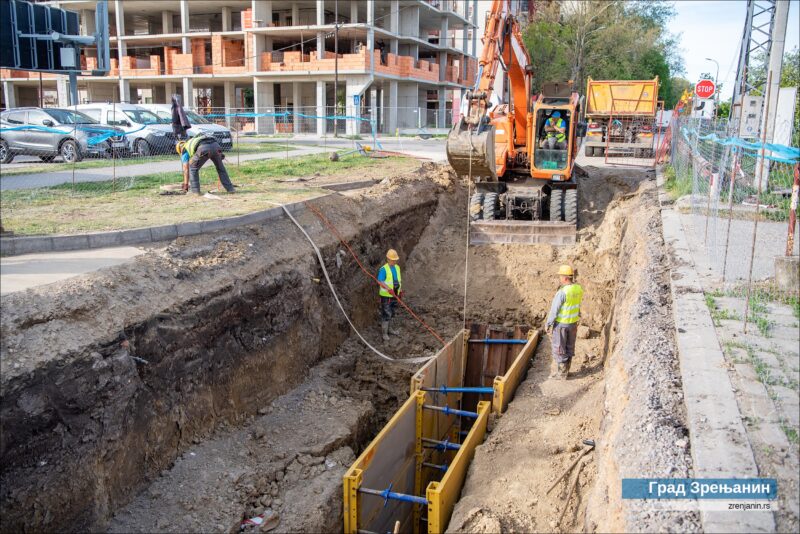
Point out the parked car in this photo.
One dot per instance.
(146, 132)
(199, 124)
(63, 132)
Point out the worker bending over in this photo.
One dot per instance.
(556, 132)
(391, 286)
(194, 154)
(562, 321)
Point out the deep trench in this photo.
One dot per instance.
(253, 394)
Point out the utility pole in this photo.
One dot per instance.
(336, 67)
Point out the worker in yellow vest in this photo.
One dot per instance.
(194, 154)
(555, 132)
(562, 321)
(390, 280)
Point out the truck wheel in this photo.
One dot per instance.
(491, 205)
(70, 151)
(6, 156)
(556, 202)
(143, 147)
(476, 207)
(571, 206)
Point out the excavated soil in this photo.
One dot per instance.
(214, 380)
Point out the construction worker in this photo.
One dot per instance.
(194, 154)
(555, 132)
(391, 286)
(562, 321)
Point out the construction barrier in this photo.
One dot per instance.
(427, 445)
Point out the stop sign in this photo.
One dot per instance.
(705, 89)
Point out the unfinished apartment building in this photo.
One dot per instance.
(401, 63)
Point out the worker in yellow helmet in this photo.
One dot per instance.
(194, 153)
(562, 321)
(390, 280)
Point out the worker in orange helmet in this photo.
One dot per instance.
(562, 321)
(390, 280)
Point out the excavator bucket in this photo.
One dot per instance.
(471, 153)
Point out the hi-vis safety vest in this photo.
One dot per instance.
(558, 123)
(570, 311)
(194, 142)
(389, 281)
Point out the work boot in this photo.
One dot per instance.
(563, 369)
(385, 330)
(393, 331)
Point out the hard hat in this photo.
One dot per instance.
(565, 270)
(391, 254)
(556, 115)
(179, 146)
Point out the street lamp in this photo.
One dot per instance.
(716, 86)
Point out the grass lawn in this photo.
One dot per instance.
(91, 207)
(34, 167)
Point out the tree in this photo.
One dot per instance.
(724, 110)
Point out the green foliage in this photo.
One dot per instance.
(605, 40)
(724, 110)
(676, 185)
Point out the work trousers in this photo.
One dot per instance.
(563, 339)
(388, 305)
(205, 151)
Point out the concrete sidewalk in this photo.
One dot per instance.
(18, 273)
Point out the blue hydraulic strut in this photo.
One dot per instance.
(445, 445)
(500, 341)
(451, 411)
(388, 494)
(446, 389)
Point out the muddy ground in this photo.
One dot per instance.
(215, 379)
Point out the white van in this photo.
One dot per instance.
(199, 124)
(146, 132)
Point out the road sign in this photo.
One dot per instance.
(705, 89)
(356, 100)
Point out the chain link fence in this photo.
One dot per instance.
(95, 163)
(736, 195)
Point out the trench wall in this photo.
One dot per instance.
(85, 425)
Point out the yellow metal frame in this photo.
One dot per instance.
(442, 495)
(419, 456)
(353, 477)
(506, 385)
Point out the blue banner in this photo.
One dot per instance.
(700, 488)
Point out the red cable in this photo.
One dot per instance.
(336, 233)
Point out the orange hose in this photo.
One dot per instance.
(336, 233)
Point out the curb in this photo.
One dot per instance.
(719, 444)
(14, 246)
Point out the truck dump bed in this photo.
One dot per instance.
(622, 97)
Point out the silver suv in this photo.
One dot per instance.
(51, 132)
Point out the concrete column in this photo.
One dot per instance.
(353, 12)
(169, 89)
(391, 123)
(166, 21)
(264, 101)
(262, 11)
(442, 122)
(185, 41)
(321, 108)
(394, 16)
(371, 34)
(62, 90)
(119, 15)
(350, 108)
(320, 12)
(228, 97)
(124, 90)
(10, 94)
(414, 51)
(320, 45)
(296, 106)
(373, 108)
(295, 14)
(87, 21)
(188, 92)
(443, 30)
(227, 23)
(475, 29)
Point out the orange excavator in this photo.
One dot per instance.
(518, 147)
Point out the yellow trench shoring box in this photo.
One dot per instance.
(421, 447)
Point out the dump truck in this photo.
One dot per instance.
(517, 146)
(621, 117)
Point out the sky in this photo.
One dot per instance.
(713, 29)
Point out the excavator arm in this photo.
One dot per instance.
(492, 108)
